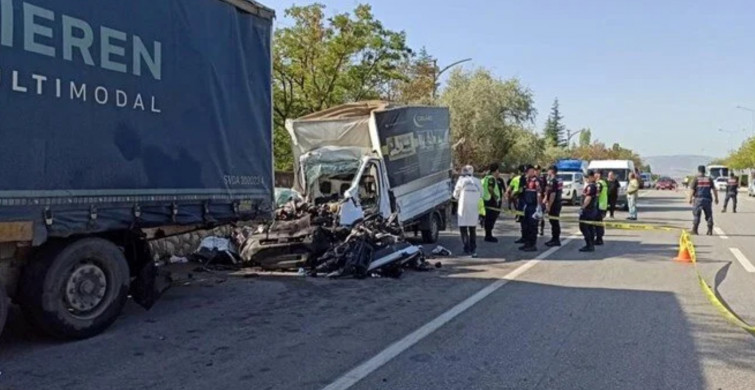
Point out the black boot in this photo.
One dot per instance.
(694, 231)
(587, 249)
(710, 231)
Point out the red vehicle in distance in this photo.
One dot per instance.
(665, 183)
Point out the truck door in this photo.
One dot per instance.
(368, 193)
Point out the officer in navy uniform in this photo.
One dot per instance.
(531, 198)
(552, 200)
(589, 212)
(702, 195)
(732, 189)
(543, 176)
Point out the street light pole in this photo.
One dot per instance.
(753, 116)
(569, 136)
(436, 75)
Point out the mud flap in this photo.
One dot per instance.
(150, 284)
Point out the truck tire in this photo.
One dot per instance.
(75, 290)
(4, 307)
(430, 236)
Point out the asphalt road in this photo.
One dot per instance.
(624, 317)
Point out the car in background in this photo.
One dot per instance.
(665, 183)
(720, 183)
(285, 195)
(574, 184)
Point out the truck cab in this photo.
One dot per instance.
(375, 157)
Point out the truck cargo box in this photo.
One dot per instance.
(139, 113)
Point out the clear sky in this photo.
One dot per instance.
(658, 76)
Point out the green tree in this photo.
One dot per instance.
(554, 127)
(320, 61)
(419, 82)
(585, 137)
(491, 117)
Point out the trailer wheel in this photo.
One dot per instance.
(430, 235)
(4, 307)
(77, 290)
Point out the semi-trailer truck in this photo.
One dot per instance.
(123, 122)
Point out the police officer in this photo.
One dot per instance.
(589, 212)
(602, 188)
(491, 195)
(517, 190)
(552, 200)
(531, 201)
(702, 194)
(512, 192)
(732, 189)
(543, 176)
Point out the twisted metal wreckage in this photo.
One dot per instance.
(308, 237)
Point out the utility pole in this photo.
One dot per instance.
(436, 75)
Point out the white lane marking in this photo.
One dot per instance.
(742, 260)
(720, 233)
(363, 370)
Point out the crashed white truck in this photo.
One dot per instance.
(367, 158)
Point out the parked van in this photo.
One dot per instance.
(621, 169)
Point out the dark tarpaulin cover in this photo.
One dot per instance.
(415, 142)
(116, 127)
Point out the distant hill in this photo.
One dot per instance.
(677, 166)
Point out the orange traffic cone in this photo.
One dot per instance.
(684, 255)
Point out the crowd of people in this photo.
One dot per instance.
(534, 195)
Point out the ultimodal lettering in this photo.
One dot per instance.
(63, 36)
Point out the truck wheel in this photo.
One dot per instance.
(430, 236)
(4, 307)
(77, 290)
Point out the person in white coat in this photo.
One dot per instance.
(468, 192)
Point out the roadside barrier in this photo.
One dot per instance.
(687, 254)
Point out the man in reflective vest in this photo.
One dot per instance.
(602, 187)
(514, 191)
(732, 189)
(491, 195)
(702, 194)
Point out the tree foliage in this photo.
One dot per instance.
(418, 85)
(490, 117)
(554, 127)
(320, 61)
(585, 137)
(744, 157)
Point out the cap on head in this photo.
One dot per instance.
(553, 168)
(590, 173)
(701, 168)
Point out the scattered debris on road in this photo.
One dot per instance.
(307, 239)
